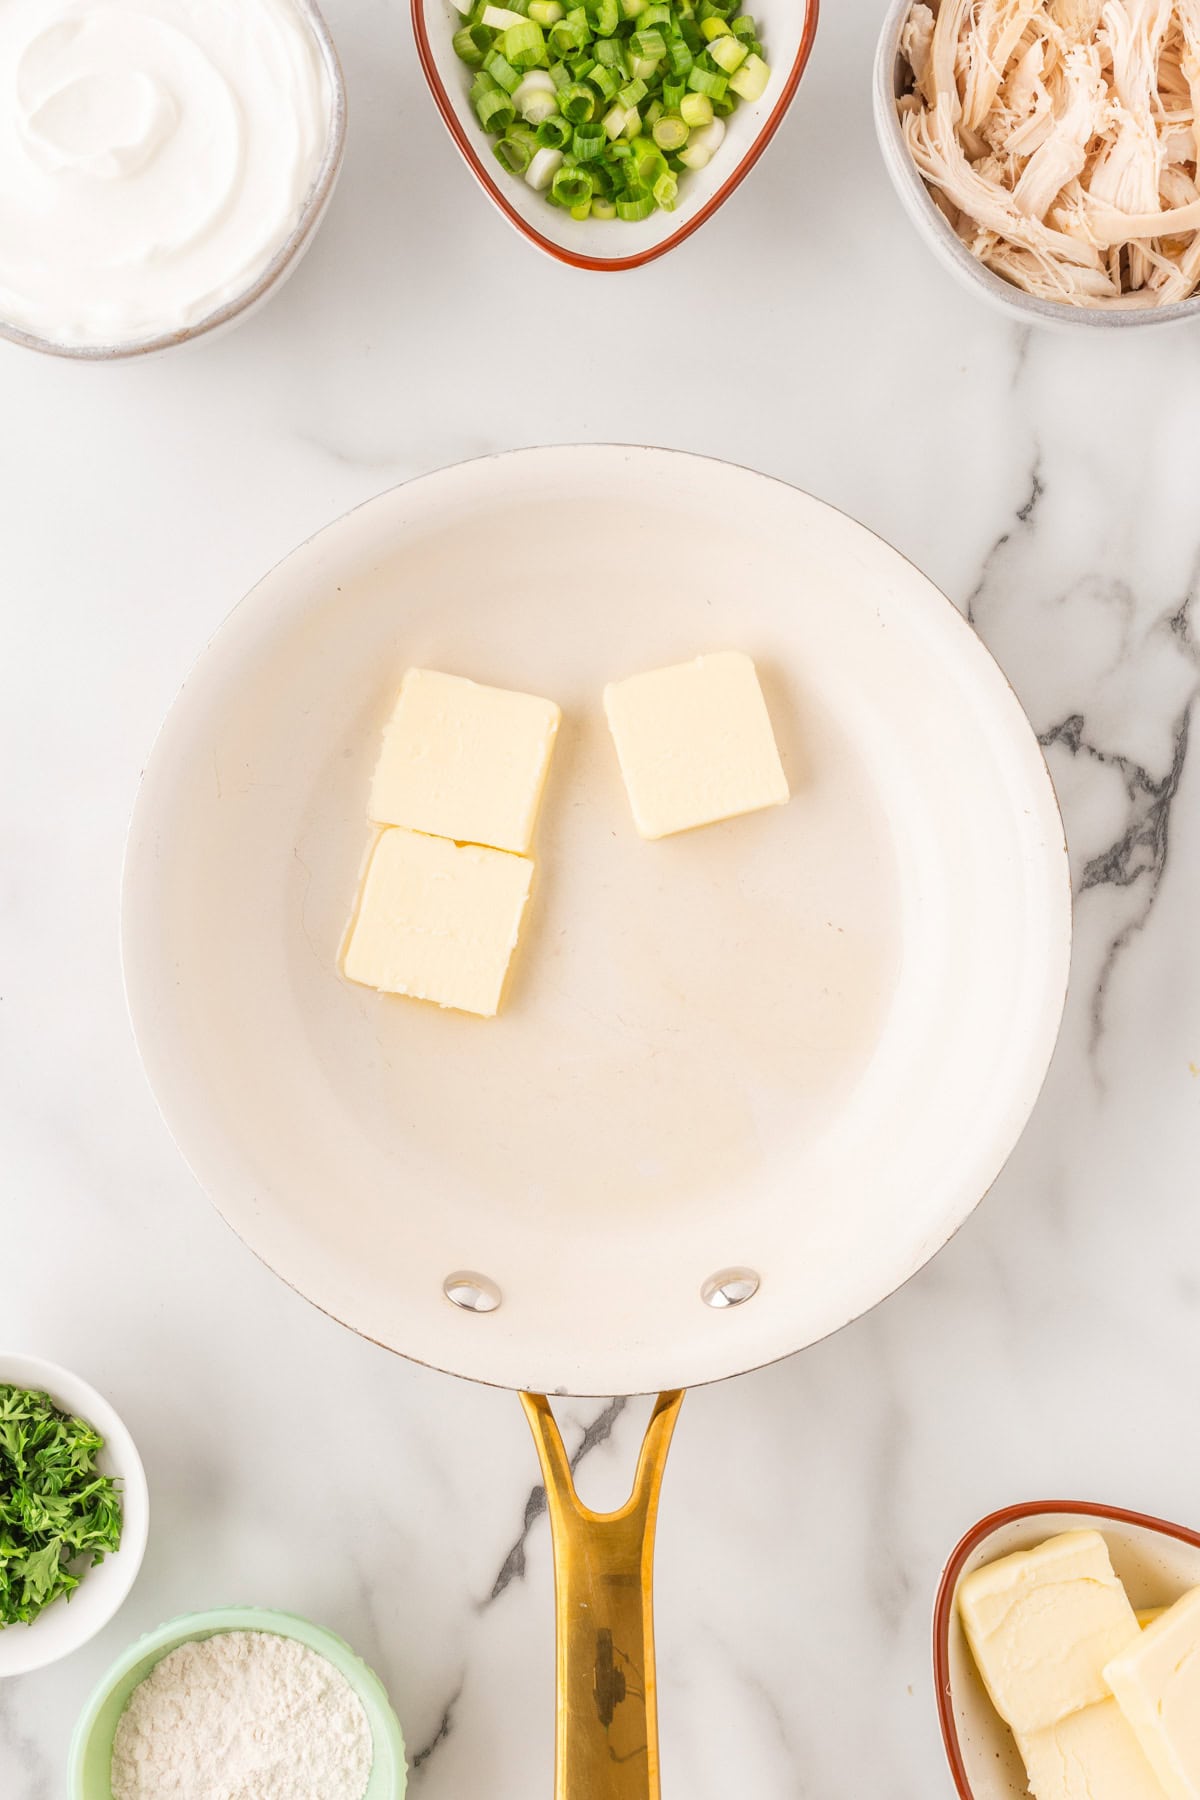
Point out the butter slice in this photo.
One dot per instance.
(1042, 1624)
(1157, 1685)
(1090, 1755)
(695, 744)
(437, 920)
(464, 762)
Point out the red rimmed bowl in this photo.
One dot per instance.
(788, 28)
(1157, 1562)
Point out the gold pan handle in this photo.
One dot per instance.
(607, 1725)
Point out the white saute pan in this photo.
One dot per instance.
(747, 1081)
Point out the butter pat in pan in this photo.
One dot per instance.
(1157, 1685)
(465, 762)
(438, 921)
(695, 744)
(1090, 1755)
(1043, 1624)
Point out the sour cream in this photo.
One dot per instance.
(155, 156)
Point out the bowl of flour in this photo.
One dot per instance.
(238, 1701)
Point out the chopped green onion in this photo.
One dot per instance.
(536, 97)
(605, 79)
(728, 54)
(666, 190)
(635, 203)
(710, 137)
(648, 161)
(554, 133)
(502, 71)
(751, 79)
(708, 81)
(516, 149)
(577, 103)
(544, 167)
(571, 187)
(495, 110)
(567, 36)
(524, 45)
(670, 133)
(466, 47)
(696, 109)
(651, 46)
(603, 106)
(588, 142)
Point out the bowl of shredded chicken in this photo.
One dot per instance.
(1049, 149)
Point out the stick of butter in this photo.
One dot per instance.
(1090, 1755)
(1157, 1685)
(437, 920)
(464, 762)
(1042, 1624)
(695, 744)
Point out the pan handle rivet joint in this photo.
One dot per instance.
(473, 1293)
(730, 1287)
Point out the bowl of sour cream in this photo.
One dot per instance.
(163, 165)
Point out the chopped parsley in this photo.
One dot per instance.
(58, 1515)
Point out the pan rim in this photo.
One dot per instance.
(1056, 996)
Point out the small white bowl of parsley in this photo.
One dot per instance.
(74, 1513)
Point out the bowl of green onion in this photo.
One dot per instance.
(608, 131)
(74, 1513)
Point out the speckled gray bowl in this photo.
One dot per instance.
(891, 80)
(282, 264)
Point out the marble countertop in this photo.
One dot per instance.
(1048, 483)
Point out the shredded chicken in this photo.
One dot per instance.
(1061, 140)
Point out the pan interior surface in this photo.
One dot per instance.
(799, 1044)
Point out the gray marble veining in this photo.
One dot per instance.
(1049, 486)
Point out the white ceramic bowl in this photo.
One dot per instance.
(286, 260)
(891, 80)
(70, 1622)
(1158, 1563)
(787, 27)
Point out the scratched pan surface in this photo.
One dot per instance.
(802, 1042)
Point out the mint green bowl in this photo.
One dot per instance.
(90, 1762)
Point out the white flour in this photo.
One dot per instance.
(243, 1716)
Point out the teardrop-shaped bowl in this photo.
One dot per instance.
(787, 29)
(1157, 1562)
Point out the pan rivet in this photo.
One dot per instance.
(730, 1287)
(474, 1293)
